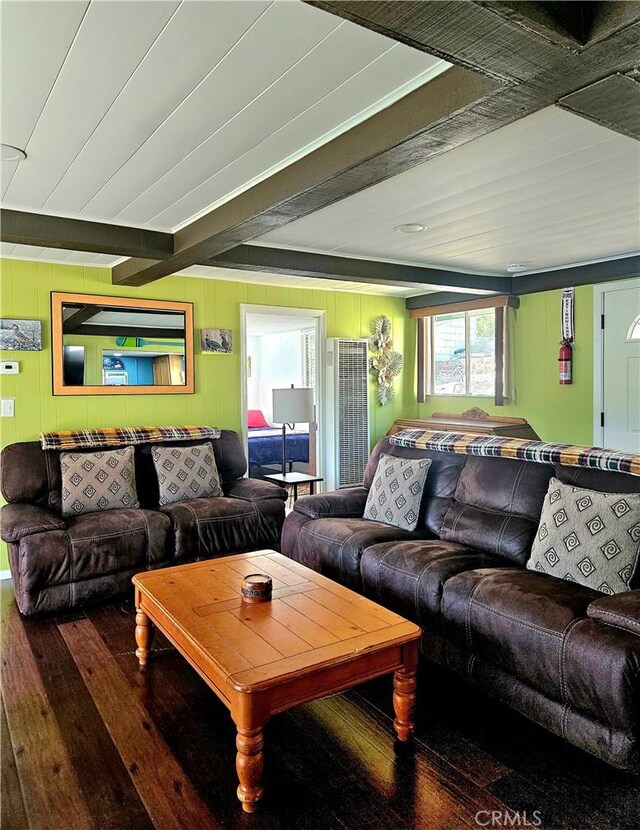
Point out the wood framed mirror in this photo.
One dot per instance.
(120, 345)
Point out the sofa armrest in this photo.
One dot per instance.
(619, 610)
(345, 504)
(20, 520)
(255, 489)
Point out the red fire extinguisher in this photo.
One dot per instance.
(565, 358)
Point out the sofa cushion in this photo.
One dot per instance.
(24, 473)
(408, 576)
(334, 546)
(20, 520)
(396, 491)
(621, 611)
(186, 472)
(109, 542)
(497, 506)
(519, 620)
(346, 503)
(94, 482)
(588, 537)
(440, 485)
(254, 489)
(215, 526)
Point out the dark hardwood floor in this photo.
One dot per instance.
(90, 742)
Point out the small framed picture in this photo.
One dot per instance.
(20, 335)
(216, 341)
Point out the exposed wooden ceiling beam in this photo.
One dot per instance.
(427, 121)
(127, 331)
(517, 70)
(613, 102)
(326, 266)
(20, 228)
(75, 320)
(596, 272)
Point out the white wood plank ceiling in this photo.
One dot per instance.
(149, 113)
(549, 190)
(396, 289)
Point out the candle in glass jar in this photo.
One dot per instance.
(256, 588)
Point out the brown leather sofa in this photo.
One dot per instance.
(562, 654)
(59, 563)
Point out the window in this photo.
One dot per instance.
(634, 331)
(309, 359)
(463, 350)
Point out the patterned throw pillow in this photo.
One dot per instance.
(186, 472)
(588, 537)
(396, 491)
(95, 481)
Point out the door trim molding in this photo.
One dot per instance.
(320, 316)
(598, 350)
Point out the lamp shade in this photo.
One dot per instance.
(293, 406)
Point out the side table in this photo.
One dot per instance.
(294, 479)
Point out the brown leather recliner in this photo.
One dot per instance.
(564, 655)
(62, 562)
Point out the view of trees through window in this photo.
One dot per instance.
(463, 349)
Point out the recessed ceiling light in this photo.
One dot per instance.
(411, 227)
(516, 267)
(10, 153)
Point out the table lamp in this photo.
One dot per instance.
(291, 406)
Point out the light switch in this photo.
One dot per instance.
(7, 407)
(9, 367)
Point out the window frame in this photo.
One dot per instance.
(467, 355)
(425, 352)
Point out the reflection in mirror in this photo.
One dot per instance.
(105, 343)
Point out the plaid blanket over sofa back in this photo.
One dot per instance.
(573, 455)
(119, 436)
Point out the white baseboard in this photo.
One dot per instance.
(5, 574)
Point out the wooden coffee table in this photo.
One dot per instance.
(312, 639)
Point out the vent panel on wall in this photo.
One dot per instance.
(348, 399)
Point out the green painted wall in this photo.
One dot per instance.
(557, 413)
(24, 292)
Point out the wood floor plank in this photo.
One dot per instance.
(330, 764)
(168, 795)
(49, 785)
(12, 811)
(110, 796)
(442, 783)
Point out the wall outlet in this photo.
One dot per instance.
(7, 407)
(10, 367)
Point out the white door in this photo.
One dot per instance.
(621, 369)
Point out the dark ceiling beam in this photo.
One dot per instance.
(517, 70)
(596, 272)
(75, 320)
(430, 120)
(326, 266)
(20, 228)
(447, 298)
(127, 331)
(613, 102)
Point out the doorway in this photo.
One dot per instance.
(617, 365)
(280, 348)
